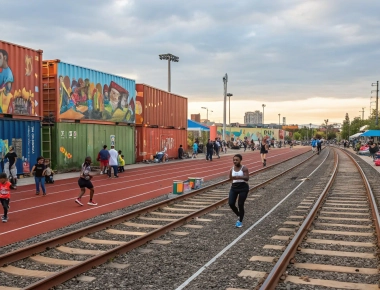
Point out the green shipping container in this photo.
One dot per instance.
(72, 142)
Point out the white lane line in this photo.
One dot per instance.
(196, 274)
(79, 212)
(132, 175)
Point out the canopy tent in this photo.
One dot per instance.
(355, 135)
(195, 126)
(371, 133)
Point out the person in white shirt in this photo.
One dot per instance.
(113, 161)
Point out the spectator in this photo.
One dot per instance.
(195, 150)
(121, 164)
(210, 150)
(180, 152)
(113, 156)
(103, 157)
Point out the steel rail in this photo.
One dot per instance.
(371, 198)
(84, 266)
(68, 237)
(279, 268)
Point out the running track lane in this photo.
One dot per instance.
(31, 215)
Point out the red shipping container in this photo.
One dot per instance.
(149, 141)
(20, 81)
(155, 107)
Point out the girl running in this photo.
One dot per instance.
(239, 176)
(264, 151)
(85, 182)
(5, 195)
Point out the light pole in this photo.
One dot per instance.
(225, 80)
(279, 117)
(207, 112)
(169, 57)
(311, 133)
(377, 101)
(263, 113)
(327, 122)
(229, 111)
(362, 111)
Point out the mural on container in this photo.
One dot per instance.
(84, 99)
(139, 107)
(15, 98)
(254, 134)
(23, 158)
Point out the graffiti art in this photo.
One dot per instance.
(83, 99)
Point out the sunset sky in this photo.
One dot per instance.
(306, 60)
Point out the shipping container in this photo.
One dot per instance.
(20, 81)
(70, 143)
(25, 137)
(72, 92)
(149, 141)
(155, 107)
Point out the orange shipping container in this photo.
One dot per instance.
(152, 140)
(155, 107)
(20, 81)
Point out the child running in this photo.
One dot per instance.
(39, 172)
(85, 182)
(5, 195)
(239, 176)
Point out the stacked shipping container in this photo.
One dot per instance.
(161, 121)
(20, 104)
(104, 104)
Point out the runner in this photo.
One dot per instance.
(239, 176)
(39, 170)
(313, 145)
(5, 195)
(319, 145)
(264, 151)
(84, 182)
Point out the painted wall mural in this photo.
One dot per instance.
(254, 134)
(85, 99)
(19, 81)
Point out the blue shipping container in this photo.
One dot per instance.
(25, 137)
(82, 93)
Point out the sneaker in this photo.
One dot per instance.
(92, 203)
(44, 194)
(238, 224)
(78, 201)
(37, 192)
(4, 219)
(101, 172)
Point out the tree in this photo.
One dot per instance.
(331, 136)
(297, 136)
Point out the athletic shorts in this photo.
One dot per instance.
(104, 162)
(83, 183)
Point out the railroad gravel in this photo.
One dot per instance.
(167, 266)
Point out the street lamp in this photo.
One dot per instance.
(169, 57)
(225, 80)
(207, 112)
(263, 114)
(229, 111)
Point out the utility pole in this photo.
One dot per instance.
(263, 114)
(377, 101)
(225, 80)
(279, 117)
(362, 111)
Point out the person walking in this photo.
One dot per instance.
(319, 145)
(84, 182)
(10, 167)
(113, 162)
(121, 164)
(39, 170)
(313, 145)
(5, 195)
(239, 175)
(217, 148)
(264, 151)
(210, 150)
(103, 157)
(195, 150)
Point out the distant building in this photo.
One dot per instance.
(255, 117)
(196, 117)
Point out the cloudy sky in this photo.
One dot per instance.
(306, 60)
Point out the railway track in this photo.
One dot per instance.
(105, 240)
(331, 239)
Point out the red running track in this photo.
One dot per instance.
(31, 215)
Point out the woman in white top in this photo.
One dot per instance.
(239, 175)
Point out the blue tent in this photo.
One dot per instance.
(371, 133)
(195, 126)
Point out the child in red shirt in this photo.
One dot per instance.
(5, 195)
